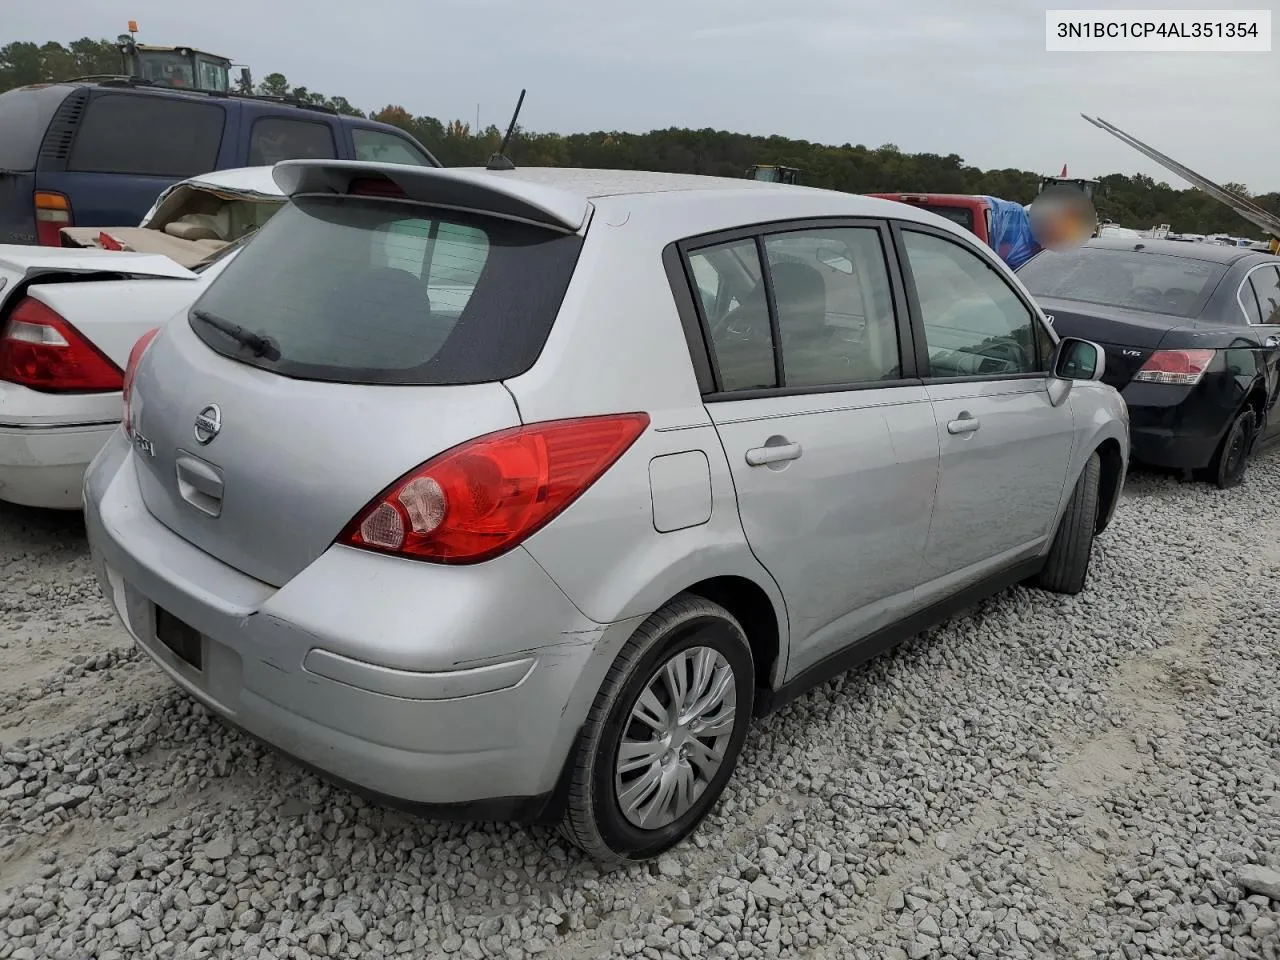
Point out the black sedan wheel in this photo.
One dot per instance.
(1232, 459)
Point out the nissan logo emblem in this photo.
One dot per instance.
(208, 423)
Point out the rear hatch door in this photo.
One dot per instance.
(386, 329)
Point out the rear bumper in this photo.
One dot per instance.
(323, 670)
(1180, 427)
(43, 466)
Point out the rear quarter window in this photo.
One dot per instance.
(359, 290)
(25, 115)
(148, 136)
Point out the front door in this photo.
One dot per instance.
(833, 452)
(1004, 447)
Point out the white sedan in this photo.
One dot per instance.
(70, 316)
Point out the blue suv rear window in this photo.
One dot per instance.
(145, 135)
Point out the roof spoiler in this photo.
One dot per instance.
(493, 193)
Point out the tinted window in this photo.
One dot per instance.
(974, 323)
(1248, 299)
(735, 309)
(835, 307)
(1153, 282)
(958, 215)
(24, 118)
(148, 135)
(275, 139)
(386, 147)
(1266, 287)
(368, 291)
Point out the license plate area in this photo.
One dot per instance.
(181, 638)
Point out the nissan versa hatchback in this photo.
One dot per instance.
(517, 494)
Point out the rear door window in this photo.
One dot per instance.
(386, 147)
(361, 290)
(148, 136)
(1266, 287)
(835, 307)
(273, 139)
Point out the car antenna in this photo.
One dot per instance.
(500, 160)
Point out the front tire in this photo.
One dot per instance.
(663, 735)
(1231, 460)
(1067, 566)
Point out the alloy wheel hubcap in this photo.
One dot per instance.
(675, 738)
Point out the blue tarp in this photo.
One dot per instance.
(1011, 235)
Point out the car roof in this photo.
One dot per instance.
(561, 197)
(591, 184)
(240, 179)
(1209, 252)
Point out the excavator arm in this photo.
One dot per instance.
(1246, 208)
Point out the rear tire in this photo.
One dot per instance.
(670, 779)
(1067, 566)
(1231, 461)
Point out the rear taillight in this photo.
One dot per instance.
(53, 212)
(487, 495)
(1184, 367)
(131, 371)
(41, 350)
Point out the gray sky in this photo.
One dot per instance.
(929, 75)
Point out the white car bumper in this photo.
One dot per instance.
(47, 441)
(44, 466)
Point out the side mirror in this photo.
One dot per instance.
(1073, 360)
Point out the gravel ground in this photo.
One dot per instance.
(1072, 777)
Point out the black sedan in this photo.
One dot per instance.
(1192, 339)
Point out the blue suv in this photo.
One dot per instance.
(97, 153)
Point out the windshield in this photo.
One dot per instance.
(357, 290)
(1132, 279)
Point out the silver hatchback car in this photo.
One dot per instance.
(515, 495)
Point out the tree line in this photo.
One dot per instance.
(1135, 201)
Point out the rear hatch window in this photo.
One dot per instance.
(363, 290)
(25, 114)
(1130, 279)
(962, 216)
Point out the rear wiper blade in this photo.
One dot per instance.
(260, 345)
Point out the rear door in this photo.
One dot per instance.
(831, 443)
(1260, 296)
(392, 326)
(113, 158)
(1004, 448)
(25, 115)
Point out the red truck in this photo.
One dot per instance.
(969, 211)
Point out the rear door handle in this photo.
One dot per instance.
(963, 425)
(759, 456)
(1272, 342)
